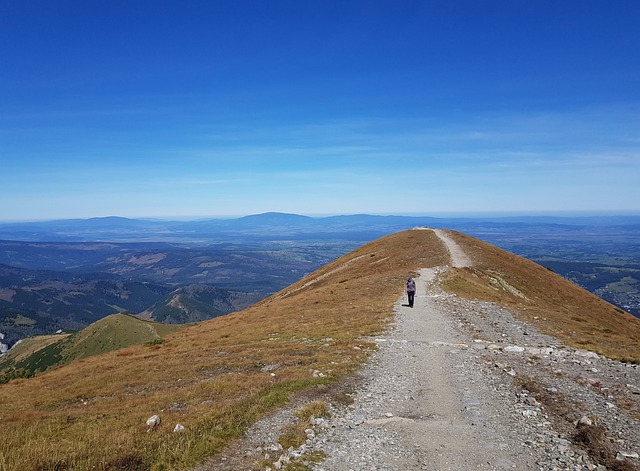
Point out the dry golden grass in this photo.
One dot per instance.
(215, 378)
(542, 298)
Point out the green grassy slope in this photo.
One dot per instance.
(37, 354)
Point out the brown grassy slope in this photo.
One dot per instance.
(555, 305)
(215, 378)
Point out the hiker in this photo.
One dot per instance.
(411, 290)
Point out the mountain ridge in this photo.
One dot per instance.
(218, 377)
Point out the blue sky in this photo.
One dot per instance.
(207, 108)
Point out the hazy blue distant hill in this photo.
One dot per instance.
(274, 218)
(363, 227)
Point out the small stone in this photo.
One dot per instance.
(178, 428)
(153, 422)
(584, 420)
(514, 349)
(622, 455)
(531, 401)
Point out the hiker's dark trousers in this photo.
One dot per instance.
(411, 295)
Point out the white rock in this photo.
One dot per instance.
(514, 349)
(627, 454)
(586, 354)
(178, 428)
(584, 420)
(153, 421)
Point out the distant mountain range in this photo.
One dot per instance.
(278, 226)
(67, 274)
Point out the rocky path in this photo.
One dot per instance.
(447, 390)
(459, 258)
(424, 404)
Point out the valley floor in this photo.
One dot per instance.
(462, 385)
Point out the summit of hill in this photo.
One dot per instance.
(219, 377)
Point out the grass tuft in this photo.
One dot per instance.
(594, 439)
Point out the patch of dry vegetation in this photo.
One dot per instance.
(295, 434)
(215, 378)
(542, 298)
(562, 410)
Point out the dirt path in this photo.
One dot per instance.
(459, 258)
(424, 404)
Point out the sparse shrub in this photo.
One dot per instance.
(59, 465)
(294, 435)
(344, 398)
(126, 462)
(315, 409)
(15, 374)
(594, 439)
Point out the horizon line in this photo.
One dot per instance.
(434, 215)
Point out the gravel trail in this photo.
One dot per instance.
(459, 258)
(424, 404)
